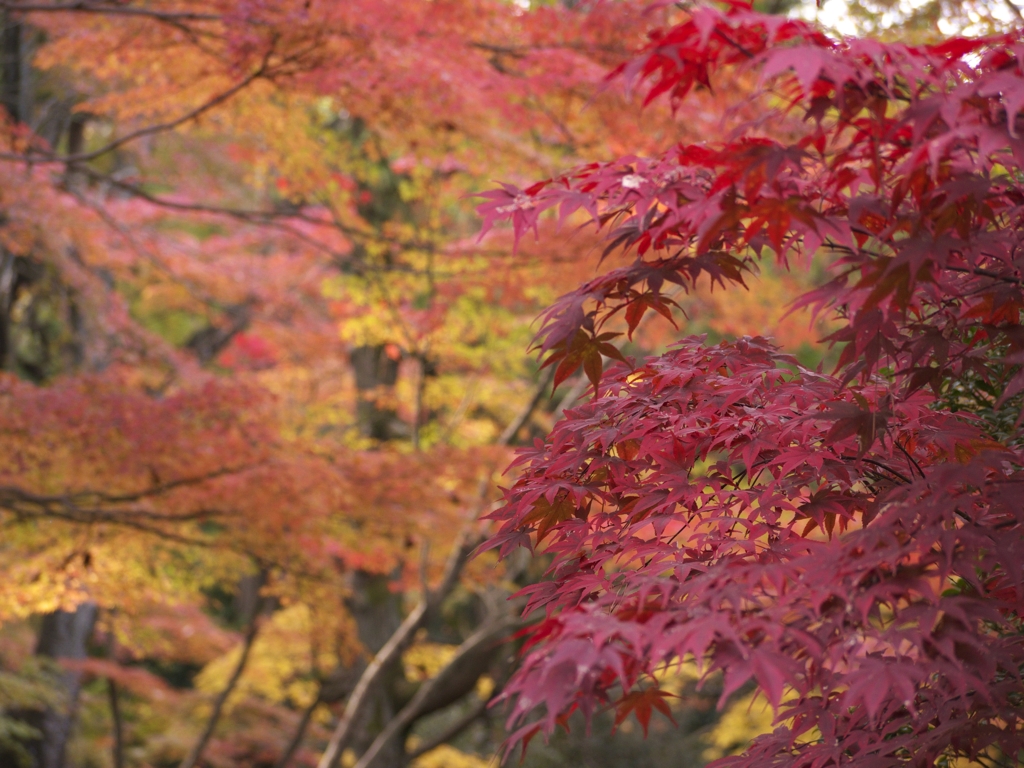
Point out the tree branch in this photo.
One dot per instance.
(192, 758)
(368, 682)
(82, 157)
(138, 519)
(986, 273)
(578, 388)
(396, 645)
(452, 730)
(300, 731)
(109, 10)
(149, 130)
(95, 497)
(117, 748)
(509, 433)
(429, 602)
(420, 702)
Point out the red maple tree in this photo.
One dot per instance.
(851, 543)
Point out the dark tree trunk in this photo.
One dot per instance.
(76, 133)
(63, 635)
(10, 67)
(15, 83)
(8, 283)
(376, 373)
(10, 90)
(247, 600)
(74, 178)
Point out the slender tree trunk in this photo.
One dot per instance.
(300, 732)
(8, 283)
(74, 179)
(117, 749)
(417, 413)
(375, 371)
(11, 63)
(16, 91)
(63, 635)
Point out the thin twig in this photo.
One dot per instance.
(910, 458)
(578, 388)
(986, 273)
(192, 758)
(149, 130)
(117, 748)
(509, 433)
(880, 465)
(300, 732)
(111, 10)
(417, 411)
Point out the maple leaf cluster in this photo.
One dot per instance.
(850, 543)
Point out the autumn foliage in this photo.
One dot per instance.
(260, 371)
(850, 543)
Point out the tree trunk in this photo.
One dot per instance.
(63, 635)
(74, 179)
(8, 282)
(10, 66)
(15, 73)
(376, 373)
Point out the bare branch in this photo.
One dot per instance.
(575, 391)
(396, 645)
(509, 433)
(483, 640)
(107, 10)
(192, 758)
(87, 502)
(117, 748)
(300, 732)
(392, 649)
(149, 130)
(452, 730)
